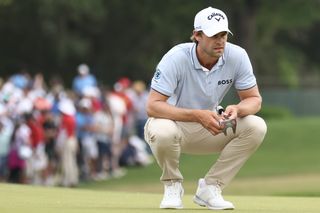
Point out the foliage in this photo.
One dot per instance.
(275, 112)
(282, 35)
(119, 38)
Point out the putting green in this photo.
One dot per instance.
(33, 199)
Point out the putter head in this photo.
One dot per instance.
(229, 124)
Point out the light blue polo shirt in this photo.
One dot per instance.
(180, 76)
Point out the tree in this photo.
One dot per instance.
(128, 38)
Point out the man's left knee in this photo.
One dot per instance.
(257, 127)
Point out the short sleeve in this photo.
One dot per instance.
(165, 79)
(245, 78)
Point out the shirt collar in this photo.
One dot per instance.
(196, 63)
(194, 58)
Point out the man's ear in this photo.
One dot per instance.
(197, 35)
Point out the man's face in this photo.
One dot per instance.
(212, 46)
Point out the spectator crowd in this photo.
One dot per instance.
(51, 135)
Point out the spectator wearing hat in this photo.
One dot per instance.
(47, 120)
(38, 161)
(104, 127)
(139, 100)
(83, 79)
(85, 134)
(67, 144)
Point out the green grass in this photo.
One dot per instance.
(32, 199)
(282, 176)
(287, 163)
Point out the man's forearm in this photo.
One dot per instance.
(249, 106)
(160, 109)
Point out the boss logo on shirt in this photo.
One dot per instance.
(223, 82)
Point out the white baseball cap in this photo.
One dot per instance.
(67, 107)
(83, 69)
(85, 103)
(211, 21)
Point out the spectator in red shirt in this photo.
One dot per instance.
(67, 143)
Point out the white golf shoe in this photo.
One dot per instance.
(172, 198)
(210, 196)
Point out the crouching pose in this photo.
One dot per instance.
(189, 83)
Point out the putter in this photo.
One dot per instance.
(228, 123)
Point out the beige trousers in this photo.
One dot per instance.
(69, 162)
(168, 139)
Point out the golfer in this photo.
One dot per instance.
(189, 83)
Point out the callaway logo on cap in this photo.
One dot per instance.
(211, 21)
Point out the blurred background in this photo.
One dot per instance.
(127, 38)
(119, 43)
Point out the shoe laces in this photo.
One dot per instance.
(172, 190)
(215, 191)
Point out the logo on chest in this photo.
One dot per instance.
(226, 81)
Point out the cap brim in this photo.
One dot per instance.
(213, 31)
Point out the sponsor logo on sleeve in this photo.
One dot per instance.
(157, 75)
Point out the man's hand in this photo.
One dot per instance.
(228, 118)
(231, 112)
(209, 120)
